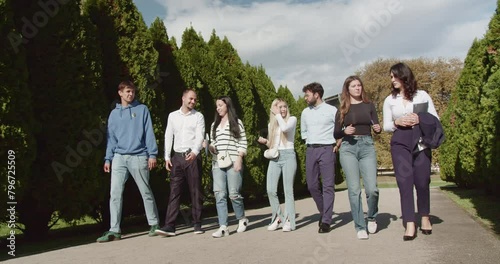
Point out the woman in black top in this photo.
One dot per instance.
(353, 124)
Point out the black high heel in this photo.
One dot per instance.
(410, 238)
(426, 231)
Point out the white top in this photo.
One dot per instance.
(317, 124)
(288, 128)
(394, 109)
(185, 131)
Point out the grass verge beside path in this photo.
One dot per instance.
(483, 208)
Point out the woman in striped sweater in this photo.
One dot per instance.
(228, 136)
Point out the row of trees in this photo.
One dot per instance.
(60, 64)
(471, 155)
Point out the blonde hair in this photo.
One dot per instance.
(273, 124)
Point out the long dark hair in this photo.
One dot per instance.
(234, 127)
(404, 73)
(345, 100)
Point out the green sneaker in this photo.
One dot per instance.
(109, 236)
(152, 230)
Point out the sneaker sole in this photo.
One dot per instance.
(164, 234)
(110, 239)
(199, 232)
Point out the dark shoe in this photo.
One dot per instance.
(426, 231)
(197, 229)
(409, 238)
(166, 231)
(152, 230)
(109, 236)
(324, 228)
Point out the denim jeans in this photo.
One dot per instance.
(224, 180)
(286, 163)
(357, 155)
(121, 167)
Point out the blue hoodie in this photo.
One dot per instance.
(130, 132)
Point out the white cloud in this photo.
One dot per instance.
(326, 41)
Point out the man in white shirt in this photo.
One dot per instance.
(185, 129)
(317, 123)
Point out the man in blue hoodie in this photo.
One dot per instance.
(131, 150)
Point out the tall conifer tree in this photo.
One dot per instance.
(64, 70)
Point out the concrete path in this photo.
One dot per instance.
(456, 238)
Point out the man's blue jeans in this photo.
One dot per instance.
(121, 167)
(357, 155)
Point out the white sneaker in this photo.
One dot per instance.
(362, 234)
(275, 225)
(372, 227)
(287, 227)
(221, 232)
(242, 225)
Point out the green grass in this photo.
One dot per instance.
(4, 229)
(481, 206)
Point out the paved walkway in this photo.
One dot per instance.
(456, 238)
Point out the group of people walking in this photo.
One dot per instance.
(132, 150)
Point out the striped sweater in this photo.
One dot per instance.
(223, 140)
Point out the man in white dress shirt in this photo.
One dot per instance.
(185, 129)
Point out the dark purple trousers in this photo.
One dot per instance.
(321, 161)
(189, 171)
(412, 168)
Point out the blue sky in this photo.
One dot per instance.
(299, 42)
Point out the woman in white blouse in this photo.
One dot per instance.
(412, 163)
(281, 136)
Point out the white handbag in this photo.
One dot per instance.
(224, 160)
(272, 153)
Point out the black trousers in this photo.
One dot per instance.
(412, 169)
(182, 171)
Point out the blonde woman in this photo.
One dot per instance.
(281, 136)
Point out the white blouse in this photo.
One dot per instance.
(394, 108)
(288, 128)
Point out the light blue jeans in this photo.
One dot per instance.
(224, 180)
(121, 167)
(286, 163)
(357, 155)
